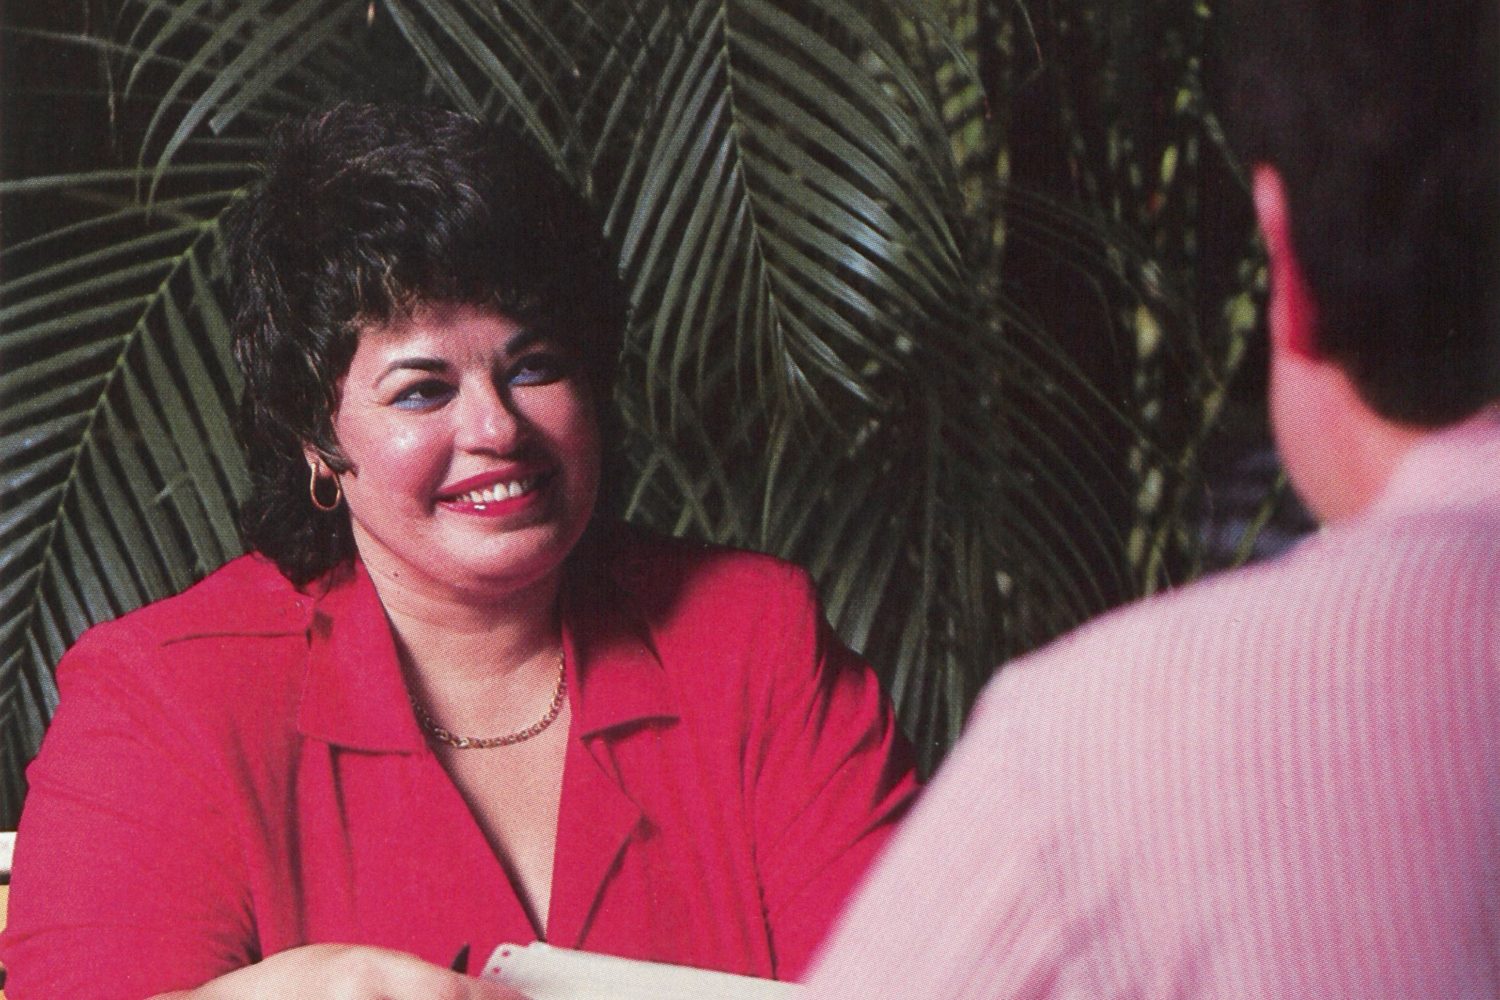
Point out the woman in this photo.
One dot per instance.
(440, 705)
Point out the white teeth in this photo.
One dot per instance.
(499, 491)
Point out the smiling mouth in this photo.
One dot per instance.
(496, 492)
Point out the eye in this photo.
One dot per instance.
(539, 368)
(423, 395)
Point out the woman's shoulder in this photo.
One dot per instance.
(203, 674)
(246, 596)
(656, 570)
(698, 603)
(238, 634)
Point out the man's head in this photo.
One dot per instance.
(1372, 126)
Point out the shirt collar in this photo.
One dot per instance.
(615, 675)
(354, 695)
(1454, 466)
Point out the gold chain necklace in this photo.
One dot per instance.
(447, 738)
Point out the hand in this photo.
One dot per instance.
(345, 972)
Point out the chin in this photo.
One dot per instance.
(518, 563)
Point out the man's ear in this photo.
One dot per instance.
(1293, 315)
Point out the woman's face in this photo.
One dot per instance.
(474, 449)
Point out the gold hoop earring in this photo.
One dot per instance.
(312, 491)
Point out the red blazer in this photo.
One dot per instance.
(236, 771)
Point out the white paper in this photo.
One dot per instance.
(542, 972)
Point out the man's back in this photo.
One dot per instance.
(1278, 783)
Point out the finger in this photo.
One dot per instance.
(488, 990)
(409, 978)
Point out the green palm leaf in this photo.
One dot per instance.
(118, 465)
(824, 361)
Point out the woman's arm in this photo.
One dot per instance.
(344, 972)
(128, 876)
(129, 879)
(830, 771)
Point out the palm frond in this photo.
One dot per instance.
(816, 224)
(119, 469)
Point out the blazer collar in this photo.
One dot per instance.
(354, 695)
(615, 675)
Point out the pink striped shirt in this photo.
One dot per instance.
(1281, 782)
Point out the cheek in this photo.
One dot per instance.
(583, 437)
(400, 460)
(585, 431)
(568, 421)
(574, 433)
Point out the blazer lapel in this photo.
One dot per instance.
(595, 823)
(353, 695)
(617, 684)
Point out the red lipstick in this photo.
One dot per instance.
(496, 493)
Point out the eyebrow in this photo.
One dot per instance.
(522, 339)
(418, 363)
(526, 336)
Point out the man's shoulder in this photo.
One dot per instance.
(1389, 611)
(1373, 569)
(1204, 609)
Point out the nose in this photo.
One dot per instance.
(488, 420)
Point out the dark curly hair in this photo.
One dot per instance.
(1381, 117)
(365, 212)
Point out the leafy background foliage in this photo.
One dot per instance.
(941, 299)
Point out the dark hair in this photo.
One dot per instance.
(1381, 117)
(365, 212)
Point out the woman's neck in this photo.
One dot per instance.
(470, 644)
